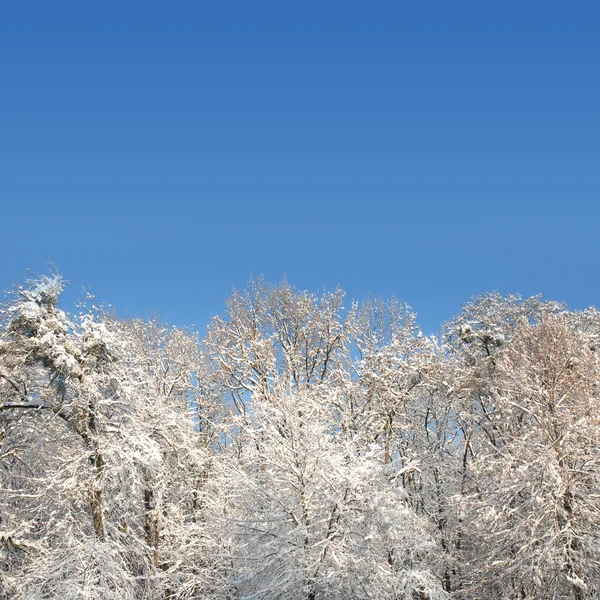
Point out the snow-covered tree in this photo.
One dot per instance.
(342, 381)
(303, 450)
(310, 512)
(93, 439)
(535, 502)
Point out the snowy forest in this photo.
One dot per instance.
(307, 447)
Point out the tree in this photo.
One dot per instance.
(310, 513)
(320, 395)
(102, 453)
(306, 450)
(534, 506)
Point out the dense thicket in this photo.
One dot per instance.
(303, 450)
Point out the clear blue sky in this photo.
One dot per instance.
(161, 154)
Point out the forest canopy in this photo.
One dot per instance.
(306, 447)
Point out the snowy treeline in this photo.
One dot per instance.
(303, 450)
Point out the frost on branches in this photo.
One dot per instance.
(102, 461)
(304, 449)
(311, 511)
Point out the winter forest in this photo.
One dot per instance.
(307, 447)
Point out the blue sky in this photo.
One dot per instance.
(161, 154)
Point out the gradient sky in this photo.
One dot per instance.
(161, 154)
